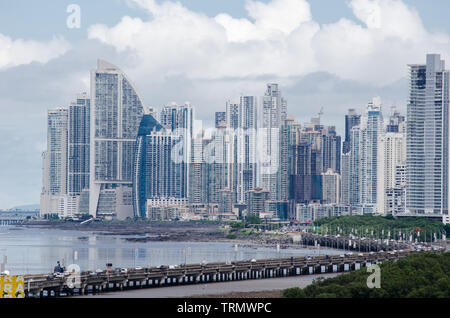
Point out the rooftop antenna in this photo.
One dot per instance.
(320, 114)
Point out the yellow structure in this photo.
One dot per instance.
(12, 287)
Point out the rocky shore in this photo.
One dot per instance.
(169, 231)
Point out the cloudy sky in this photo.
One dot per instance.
(335, 54)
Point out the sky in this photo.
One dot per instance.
(335, 54)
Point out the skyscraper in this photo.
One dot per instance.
(247, 161)
(200, 180)
(179, 119)
(397, 123)
(79, 144)
(352, 119)
(355, 165)
(241, 124)
(374, 129)
(345, 178)
(116, 113)
(364, 157)
(284, 164)
(154, 170)
(391, 157)
(427, 137)
(331, 187)
(233, 123)
(271, 113)
(331, 150)
(221, 161)
(55, 160)
(257, 201)
(220, 117)
(315, 151)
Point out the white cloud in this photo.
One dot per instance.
(282, 15)
(391, 17)
(278, 39)
(19, 52)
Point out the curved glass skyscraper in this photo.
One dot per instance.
(152, 150)
(116, 112)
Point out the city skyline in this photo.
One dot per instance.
(164, 164)
(306, 91)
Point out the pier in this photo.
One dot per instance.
(9, 220)
(154, 277)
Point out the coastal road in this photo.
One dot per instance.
(215, 288)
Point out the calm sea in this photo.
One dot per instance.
(35, 251)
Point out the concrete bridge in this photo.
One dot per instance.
(93, 282)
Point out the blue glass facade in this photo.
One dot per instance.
(154, 173)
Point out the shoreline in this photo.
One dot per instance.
(171, 232)
(189, 232)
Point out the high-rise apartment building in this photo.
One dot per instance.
(349, 169)
(272, 113)
(241, 121)
(247, 138)
(352, 119)
(374, 129)
(331, 150)
(116, 113)
(363, 161)
(55, 161)
(331, 187)
(257, 201)
(219, 118)
(200, 176)
(345, 178)
(179, 119)
(427, 137)
(391, 157)
(315, 150)
(355, 165)
(79, 145)
(154, 173)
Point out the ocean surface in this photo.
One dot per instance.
(36, 251)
